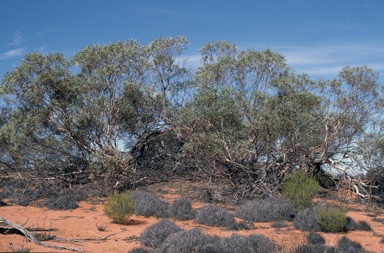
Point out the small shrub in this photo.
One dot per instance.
(44, 237)
(245, 244)
(314, 248)
(332, 219)
(24, 201)
(212, 215)
(119, 206)
(189, 241)
(61, 203)
(314, 238)
(181, 209)
(7, 192)
(299, 189)
(345, 245)
(139, 250)
(352, 225)
(381, 220)
(21, 249)
(156, 234)
(265, 210)
(147, 205)
(305, 220)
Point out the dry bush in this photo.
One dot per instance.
(265, 210)
(314, 238)
(156, 234)
(61, 202)
(305, 220)
(212, 215)
(345, 245)
(147, 205)
(181, 209)
(189, 241)
(314, 248)
(139, 250)
(246, 244)
(352, 225)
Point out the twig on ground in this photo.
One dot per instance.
(32, 238)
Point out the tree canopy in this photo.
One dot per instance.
(243, 117)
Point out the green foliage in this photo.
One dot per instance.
(300, 189)
(242, 116)
(119, 206)
(332, 219)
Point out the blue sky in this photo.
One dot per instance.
(317, 37)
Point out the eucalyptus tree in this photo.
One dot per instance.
(353, 108)
(39, 93)
(169, 75)
(243, 116)
(87, 107)
(253, 119)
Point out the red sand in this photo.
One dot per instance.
(82, 223)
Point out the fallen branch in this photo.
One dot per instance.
(42, 229)
(32, 238)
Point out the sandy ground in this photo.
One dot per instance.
(79, 229)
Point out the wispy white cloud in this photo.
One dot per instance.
(17, 39)
(12, 53)
(322, 60)
(327, 60)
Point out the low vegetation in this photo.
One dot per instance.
(147, 205)
(314, 238)
(344, 245)
(264, 210)
(299, 189)
(212, 215)
(306, 220)
(188, 241)
(352, 225)
(181, 209)
(242, 120)
(119, 206)
(115, 117)
(331, 218)
(155, 235)
(61, 202)
(246, 244)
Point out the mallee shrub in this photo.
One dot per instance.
(300, 189)
(119, 206)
